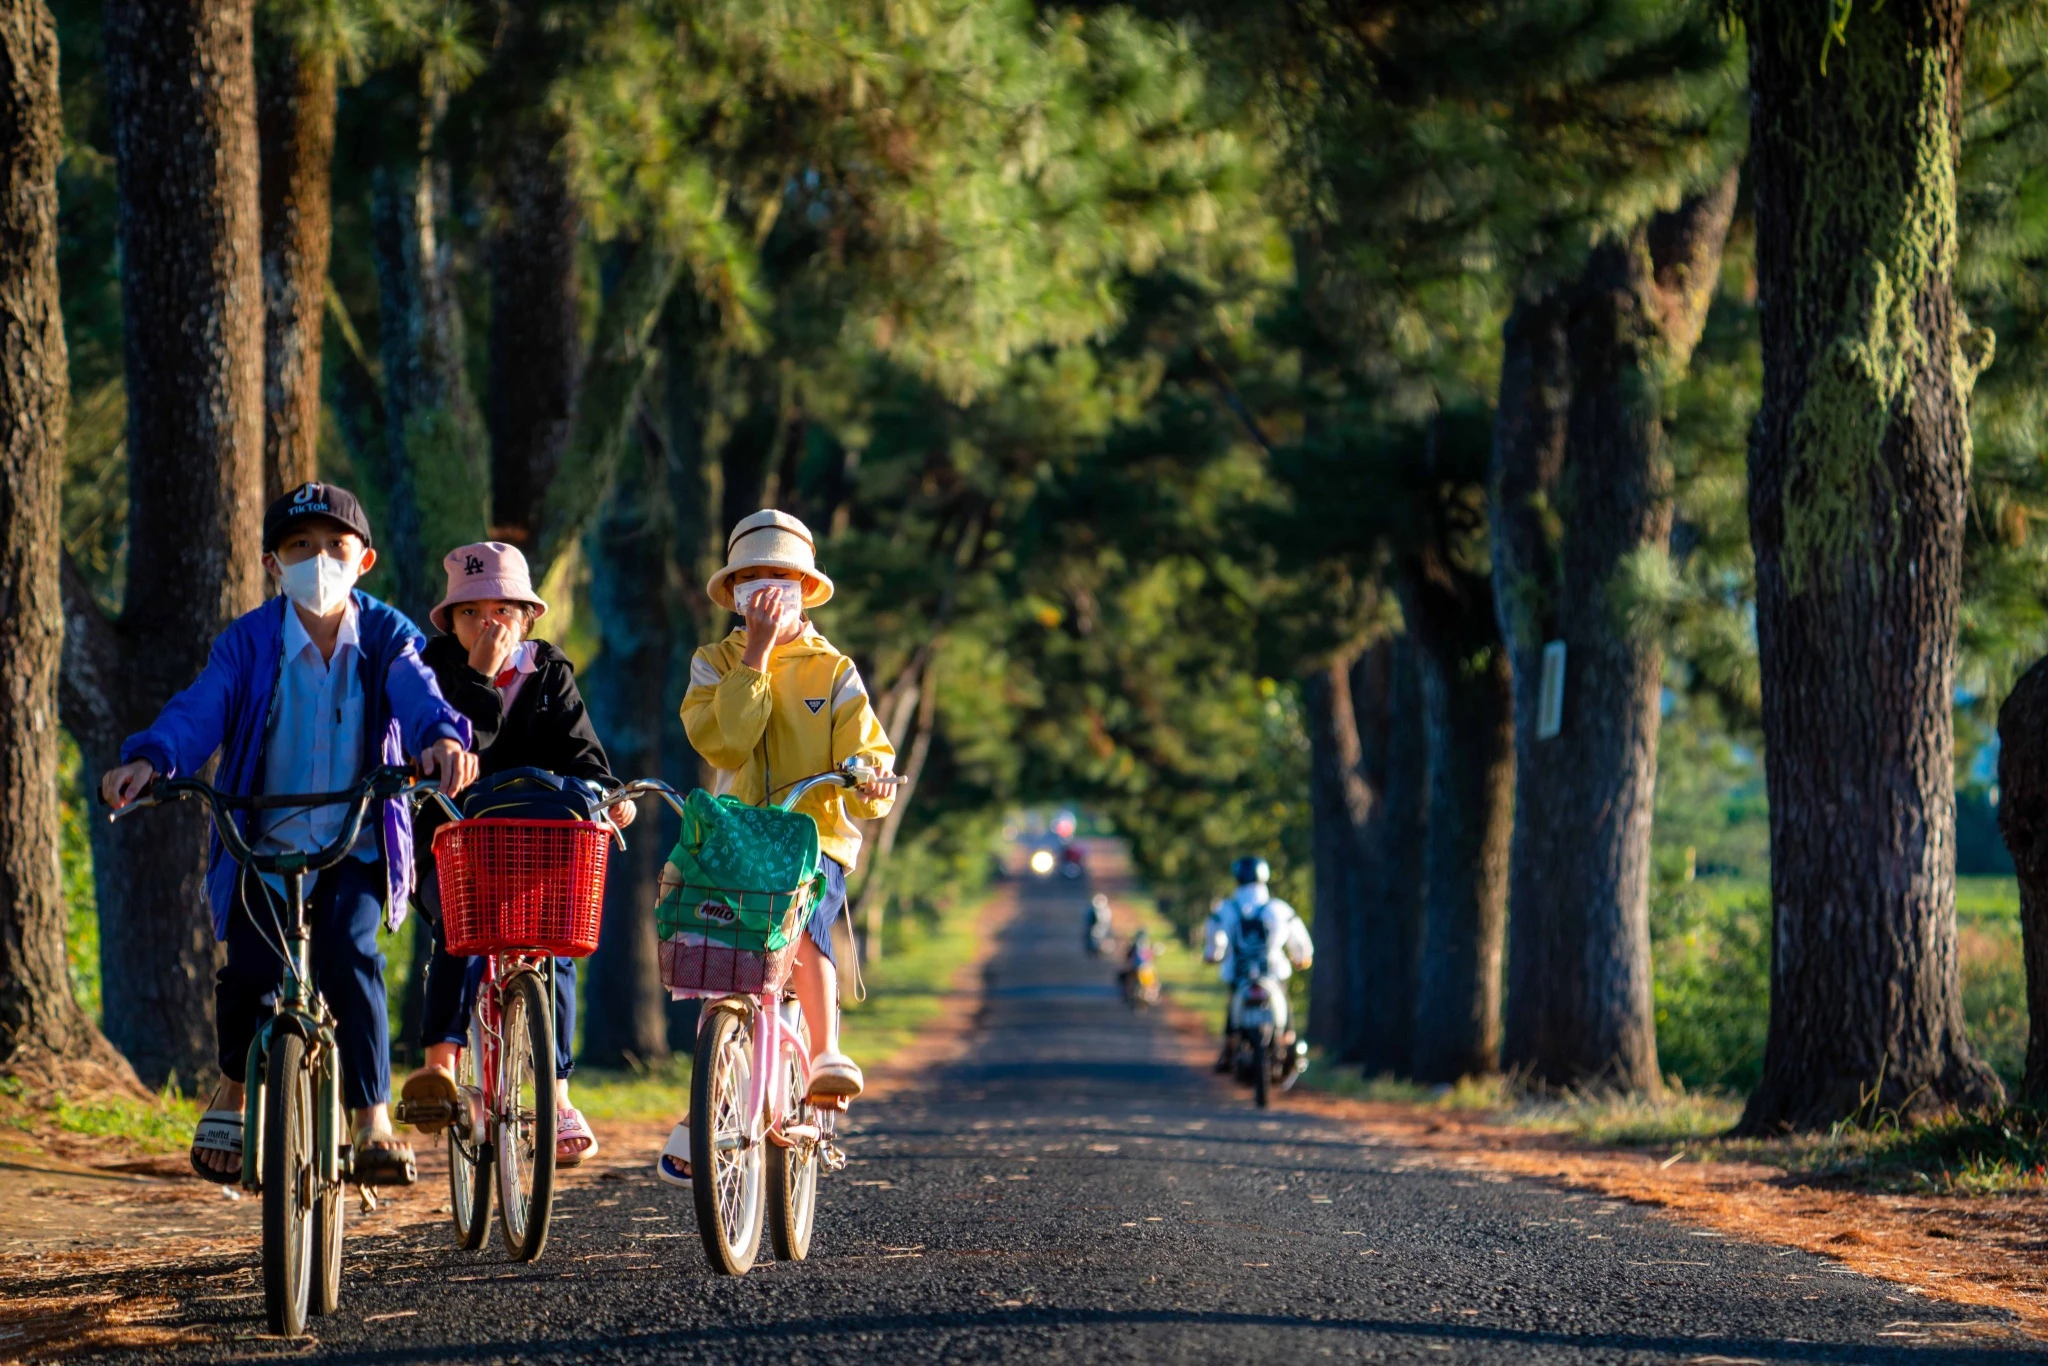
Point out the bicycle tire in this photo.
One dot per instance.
(469, 1160)
(791, 1175)
(1262, 1068)
(330, 1210)
(523, 1131)
(727, 1182)
(288, 1178)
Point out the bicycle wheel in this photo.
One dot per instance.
(792, 1173)
(1262, 1071)
(288, 1181)
(726, 1167)
(329, 1210)
(523, 1130)
(469, 1159)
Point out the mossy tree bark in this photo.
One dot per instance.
(2023, 820)
(295, 106)
(40, 1022)
(1859, 468)
(181, 90)
(1581, 521)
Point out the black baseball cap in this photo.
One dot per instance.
(317, 501)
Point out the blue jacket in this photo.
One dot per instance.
(227, 709)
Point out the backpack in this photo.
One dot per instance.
(1251, 935)
(529, 794)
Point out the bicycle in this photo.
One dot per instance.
(757, 1143)
(292, 1149)
(518, 894)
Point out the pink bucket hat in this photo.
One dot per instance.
(485, 570)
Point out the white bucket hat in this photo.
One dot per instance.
(770, 540)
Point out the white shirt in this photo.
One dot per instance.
(313, 740)
(1287, 941)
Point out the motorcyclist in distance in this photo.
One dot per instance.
(1247, 919)
(1095, 924)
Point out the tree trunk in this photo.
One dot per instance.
(295, 93)
(1581, 524)
(535, 341)
(2023, 820)
(622, 355)
(1469, 729)
(1342, 806)
(1859, 469)
(181, 93)
(629, 557)
(1387, 708)
(436, 463)
(874, 889)
(40, 1022)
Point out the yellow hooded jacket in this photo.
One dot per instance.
(807, 714)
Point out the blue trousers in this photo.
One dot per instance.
(452, 985)
(343, 912)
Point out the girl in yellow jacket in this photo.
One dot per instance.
(774, 703)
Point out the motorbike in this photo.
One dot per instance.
(1262, 1055)
(1097, 939)
(1073, 863)
(1140, 982)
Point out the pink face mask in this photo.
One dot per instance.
(791, 590)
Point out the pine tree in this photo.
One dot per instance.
(1858, 482)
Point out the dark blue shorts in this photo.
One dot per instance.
(829, 907)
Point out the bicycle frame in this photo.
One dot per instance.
(500, 971)
(301, 1009)
(299, 1006)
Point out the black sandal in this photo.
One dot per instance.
(382, 1160)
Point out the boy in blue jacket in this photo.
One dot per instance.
(305, 694)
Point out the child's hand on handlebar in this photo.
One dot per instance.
(622, 814)
(880, 786)
(451, 763)
(123, 785)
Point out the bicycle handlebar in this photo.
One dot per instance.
(384, 781)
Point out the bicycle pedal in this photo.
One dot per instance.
(422, 1113)
(835, 1159)
(366, 1199)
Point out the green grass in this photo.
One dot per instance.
(161, 1124)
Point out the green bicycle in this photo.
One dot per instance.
(292, 1117)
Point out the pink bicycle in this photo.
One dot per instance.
(757, 1141)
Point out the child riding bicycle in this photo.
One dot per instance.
(773, 703)
(304, 694)
(525, 711)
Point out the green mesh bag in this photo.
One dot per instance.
(744, 868)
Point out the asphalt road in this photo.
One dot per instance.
(1073, 1191)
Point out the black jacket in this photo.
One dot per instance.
(548, 726)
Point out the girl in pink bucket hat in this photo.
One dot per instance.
(525, 711)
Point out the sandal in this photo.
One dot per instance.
(835, 1077)
(427, 1100)
(673, 1166)
(573, 1139)
(219, 1131)
(380, 1159)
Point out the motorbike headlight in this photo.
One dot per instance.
(1041, 862)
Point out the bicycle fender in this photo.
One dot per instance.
(252, 1111)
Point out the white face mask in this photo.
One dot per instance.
(788, 588)
(319, 584)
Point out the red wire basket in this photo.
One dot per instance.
(509, 886)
